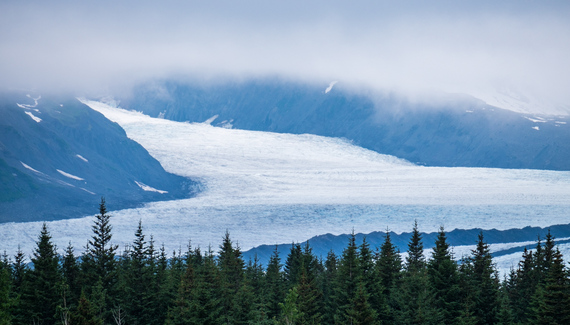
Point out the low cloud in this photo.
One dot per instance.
(415, 46)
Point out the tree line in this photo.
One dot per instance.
(364, 285)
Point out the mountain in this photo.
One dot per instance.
(58, 157)
(451, 130)
(518, 240)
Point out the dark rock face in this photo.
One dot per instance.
(457, 130)
(61, 166)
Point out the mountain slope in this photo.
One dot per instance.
(58, 157)
(451, 131)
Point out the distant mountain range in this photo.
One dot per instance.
(58, 157)
(453, 130)
(323, 244)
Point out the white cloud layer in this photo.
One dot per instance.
(414, 45)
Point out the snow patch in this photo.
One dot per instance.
(149, 189)
(330, 87)
(69, 175)
(211, 119)
(226, 124)
(26, 106)
(536, 128)
(559, 122)
(81, 157)
(88, 191)
(536, 119)
(30, 168)
(35, 118)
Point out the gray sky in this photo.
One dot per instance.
(413, 45)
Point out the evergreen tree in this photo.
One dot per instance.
(309, 298)
(388, 270)
(360, 311)
(98, 261)
(368, 276)
(290, 308)
(274, 285)
(443, 277)
(482, 284)
(255, 278)
(181, 311)
(139, 279)
(70, 269)
(39, 291)
(415, 260)
(85, 313)
(5, 299)
(414, 299)
(19, 274)
(231, 267)
(553, 306)
(347, 282)
(292, 268)
(328, 288)
(19, 269)
(522, 285)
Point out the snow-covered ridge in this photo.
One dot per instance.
(516, 101)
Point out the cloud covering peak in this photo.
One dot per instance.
(413, 45)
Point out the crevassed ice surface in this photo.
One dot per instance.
(268, 188)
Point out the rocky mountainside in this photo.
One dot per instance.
(58, 157)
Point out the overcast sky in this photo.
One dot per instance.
(412, 45)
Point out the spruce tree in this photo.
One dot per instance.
(388, 270)
(347, 281)
(329, 288)
(274, 285)
(85, 313)
(98, 261)
(70, 270)
(360, 311)
(414, 299)
(553, 302)
(255, 278)
(40, 295)
(19, 269)
(415, 259)
(231, 267)
(484, 284)
(292, 268)
(290, 313)
(443, 277)
(369, 277)
(5, 297)
(138, 274)
(309, 298)
(181, 312)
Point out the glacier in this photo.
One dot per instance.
(270, 188)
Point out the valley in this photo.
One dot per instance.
(270, 188)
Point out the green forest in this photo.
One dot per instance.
(144, 284)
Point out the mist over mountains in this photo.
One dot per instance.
(448, 130)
